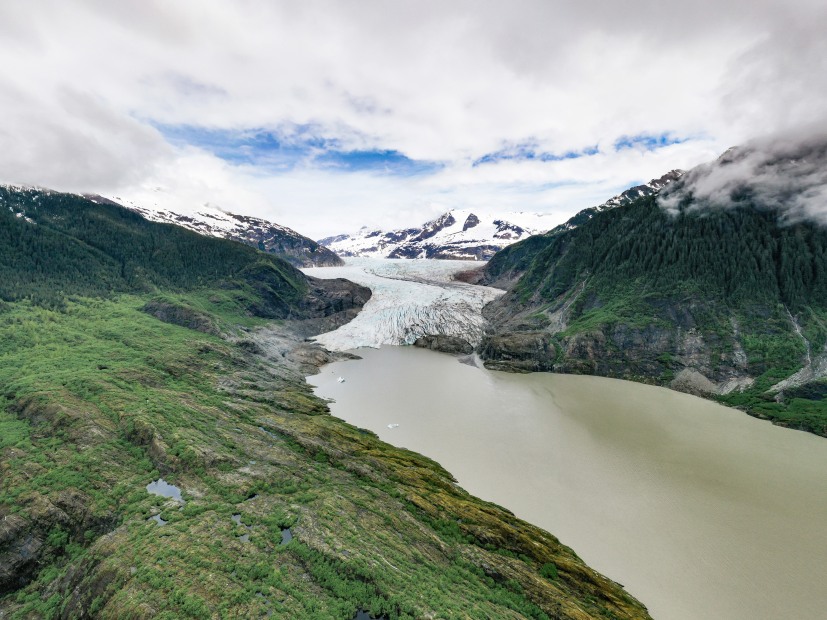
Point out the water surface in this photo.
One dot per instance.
(699, 510)
(165, 489)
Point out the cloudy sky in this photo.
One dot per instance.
(325, 116)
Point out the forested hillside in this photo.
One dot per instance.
(720, 301)
(53, 244)
(737, 256)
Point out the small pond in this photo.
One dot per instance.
(164, 489)
(237, 520)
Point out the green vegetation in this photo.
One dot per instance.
(98, 398)
(647, 293)
(736, 256)
(549, 570)
(54, 244)
(101, 398)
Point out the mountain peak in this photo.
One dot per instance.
(633, 193)
(639, 191)
(470, 221)
(253, 231)
(456, 234)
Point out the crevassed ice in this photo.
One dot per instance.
(411, 298)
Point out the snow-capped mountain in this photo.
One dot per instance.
(460, 234)
(266, 236)
(633, 193)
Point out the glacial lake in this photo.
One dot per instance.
(699, 510)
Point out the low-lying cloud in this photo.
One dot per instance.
(786, 172)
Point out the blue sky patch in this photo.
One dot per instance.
(648, 142)
(529, 152)
(300, 146)
(252, 147)
(387, 161)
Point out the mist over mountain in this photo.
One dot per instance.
(786, 173)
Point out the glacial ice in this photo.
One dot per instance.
(411, 298)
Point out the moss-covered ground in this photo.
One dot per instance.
(99, 399)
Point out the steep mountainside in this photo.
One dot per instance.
(266, 236)
(53, 244)
(459, 234)
(132, 351)
(728, 301)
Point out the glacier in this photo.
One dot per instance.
(411, 298)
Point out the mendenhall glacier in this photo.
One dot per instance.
(411, 299)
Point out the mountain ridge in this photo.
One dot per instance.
(462, 234)
(259, 233)
(295, 248)
(651, 188)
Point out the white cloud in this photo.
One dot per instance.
(785, 173)
(82, 83)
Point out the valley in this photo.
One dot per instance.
(122, 367)
(413, 310)
(157, 424)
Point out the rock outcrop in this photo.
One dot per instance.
(446, 344)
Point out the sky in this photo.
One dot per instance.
(327, 116)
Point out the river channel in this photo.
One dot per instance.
(698, 509)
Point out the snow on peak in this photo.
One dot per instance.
(633, 193)
(262, 234)
(463, 234)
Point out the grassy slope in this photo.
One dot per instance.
(101, 399)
